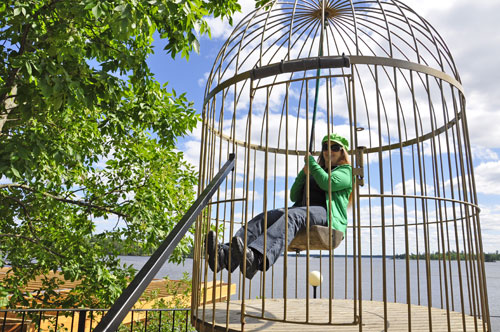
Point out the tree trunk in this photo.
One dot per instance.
(10, 104)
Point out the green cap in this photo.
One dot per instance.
(337, 139)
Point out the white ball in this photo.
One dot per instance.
(315, 278)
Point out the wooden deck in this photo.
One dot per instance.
(170, 292)
(342, 317)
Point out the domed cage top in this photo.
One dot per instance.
(380, 75)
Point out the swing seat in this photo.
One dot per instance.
(318, 239)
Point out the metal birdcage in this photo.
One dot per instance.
(380, 75)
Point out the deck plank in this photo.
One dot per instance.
(342, 317)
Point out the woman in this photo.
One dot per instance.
(334, 153)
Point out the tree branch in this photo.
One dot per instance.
(35, 242)
(8, 103)
(18, 201)
(74, 192)
(26, 212)
(64, 200)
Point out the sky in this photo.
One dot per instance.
(470, 30)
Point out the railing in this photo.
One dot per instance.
(120, 309)
(85, 320)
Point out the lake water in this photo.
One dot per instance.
(372, 287)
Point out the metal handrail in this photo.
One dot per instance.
(133, 292)
(52, 319)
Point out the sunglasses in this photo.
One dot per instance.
(333, 147)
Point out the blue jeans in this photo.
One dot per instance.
(276, 229)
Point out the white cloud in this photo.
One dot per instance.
(221, 29)
(238, 194)
(426, 8)
(489, 218)
(203, 81)
(412, 187)
(469, 30)
(487, 177)
(485, 154)
(191, 149)
(490, 227)
(281, 194)
(112, 222)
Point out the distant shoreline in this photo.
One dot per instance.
(489, 257)
(400, 257)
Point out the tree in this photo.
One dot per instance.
(88, 136)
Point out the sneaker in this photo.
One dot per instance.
(211, 246)
(253, 258)
(235, 258)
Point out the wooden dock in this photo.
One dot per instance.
(342, 320)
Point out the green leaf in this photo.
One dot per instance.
(15, 172)
(121, 8)
(196, 46)
(97, 11)
(57, 102)
(28, 67)
(4, 301)
(89, 5)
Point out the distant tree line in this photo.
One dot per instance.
(488, 257)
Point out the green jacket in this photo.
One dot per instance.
(341, 186)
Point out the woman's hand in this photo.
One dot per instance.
(306, 157)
